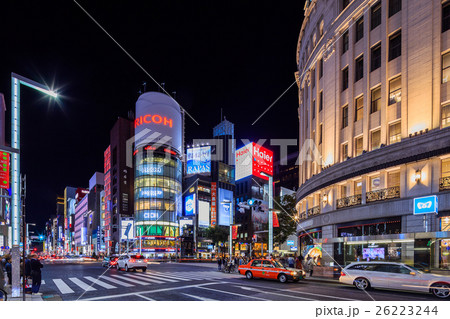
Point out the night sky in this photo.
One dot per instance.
(235, 55)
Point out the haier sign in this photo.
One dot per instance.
(425, 205)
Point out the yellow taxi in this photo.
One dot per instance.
(270, 269)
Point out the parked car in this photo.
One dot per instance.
(134, 262)
(390, 275)
(109, 261)
(270, 269)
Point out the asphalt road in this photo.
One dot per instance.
(193, 282)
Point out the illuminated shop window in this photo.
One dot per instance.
(344, 148)
(345, 116)
(375, 139)
(375, 104)
(445, 67)
(358, 146)
(358, 187)
(393, 179)
(445, 168)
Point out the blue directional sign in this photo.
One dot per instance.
(425, 205)
(290, 243)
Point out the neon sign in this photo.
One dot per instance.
(155, 119)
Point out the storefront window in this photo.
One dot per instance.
(308, 245)
(444, 245)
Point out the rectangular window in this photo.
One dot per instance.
(445, 168)
(343, 191)
(359, 29)
(375, 139)
(395, 45)
(393, 179)
(320, 101)
(345, 79)
(375, 57)
(395, 133)
(345, 42)
(395, 90)
(359, 108)
(358, 188)
(374, 183)
(394, 7)
(345, 4)
(320, 133)
(320, 68)
(345, 116)
(375, 103)
(359, 68)
(344, 152)
(313, 78)
(445, 16)
(313, 109)
(445, 115)
(445, 67)
(375, 15)
(358, 146)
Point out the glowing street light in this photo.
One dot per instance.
(16, 81)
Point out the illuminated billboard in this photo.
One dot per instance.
(225, 206)
(184, 222)
(203, 214)
(252, 159)
(4, 170)
(189, 205)
(160, 115)
(127, 224)
(198, 160)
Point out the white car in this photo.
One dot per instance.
(390, 275)
(134, 262)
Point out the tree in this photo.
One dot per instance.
(216, 234)
(287, 212)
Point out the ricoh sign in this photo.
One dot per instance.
(252, 159)
(426, 205)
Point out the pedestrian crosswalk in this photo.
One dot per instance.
(124, 279)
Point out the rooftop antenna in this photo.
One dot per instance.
(144, 84)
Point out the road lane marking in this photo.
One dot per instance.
(198, 297)
(42, 282)
(234, 293)
(154, 291)
(145, 279)
(81, 284)
(62, 286)
(274, 293)
(132, 280)
(100, 283)
(171, 276)
(146, 298)
(125, 284)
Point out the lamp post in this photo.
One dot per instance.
(16, 81)
(270, 247)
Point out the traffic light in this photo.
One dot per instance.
(254, 238)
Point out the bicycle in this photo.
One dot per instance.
(3, 295)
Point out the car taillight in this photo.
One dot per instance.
(145, 260)
(342, 274)
(113, 263)
(132, 260)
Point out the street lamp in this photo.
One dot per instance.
(270, 248)
(16, 81)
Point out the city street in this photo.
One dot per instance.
(193, 282)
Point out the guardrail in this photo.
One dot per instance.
(349, 201)
(383, 194)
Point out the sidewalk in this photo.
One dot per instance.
(321, 279)
(28, 297)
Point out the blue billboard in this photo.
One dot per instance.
(189, 205)
(225, 206)
(152, 192)
(425, 205)
(198, 160)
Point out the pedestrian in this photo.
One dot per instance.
(310, 264)
(291, 262)
(36, 274)
(219, 263)
(2, 278)
(298, 263)
(8, 269)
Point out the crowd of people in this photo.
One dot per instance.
(32, 270)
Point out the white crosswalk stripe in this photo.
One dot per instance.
(81, 284)
(118, 282)
(42, 282)
(173, 277)
(100, 283)
(142, 277)
(132, 280)
(158, 277)
(62, 286)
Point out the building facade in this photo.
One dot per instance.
(374, 102)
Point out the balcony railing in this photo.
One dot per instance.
(444, 183)
(349, 201)
(383, 194)
(311, 212)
